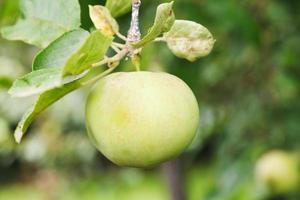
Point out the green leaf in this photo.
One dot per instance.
(74, 52)
(33, 31)
(118, 7)
(189, 40)
(36, 82)
(44, 100)
(103, 20)
(92, 51)
(59, 51)
(51, 96)
(71, 54)
(163, 22)
(65, 13)
(44, 21)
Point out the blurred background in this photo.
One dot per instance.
(248, 89)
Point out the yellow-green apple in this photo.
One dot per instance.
(278, 171)
(141, 119)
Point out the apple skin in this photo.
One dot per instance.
(140, 119)
(278, 171)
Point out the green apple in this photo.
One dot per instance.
(141, 119)
(278, 171)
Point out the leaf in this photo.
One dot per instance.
(92, 51)
(65, 13)
(74, 52)
(118, 7)
(51, 96)
(163, 22)
(44, 100)
(189, 40)
(59, 51)
(44, 21)
(71, 54)
(103, 20)
(36, 82)
(33, 31)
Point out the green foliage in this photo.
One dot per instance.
(163, 22)
(93, 50)
(108, 185)
(49, 97)
(24, 30)
(189, 40)
(74, 52)
(44, 100)
(44, 21)
(118, 7)
(36, 82)
(57, 69)
(103, 20)
(248, 91)
(58, 53)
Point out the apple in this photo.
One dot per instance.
(141, 119)
(278, 171)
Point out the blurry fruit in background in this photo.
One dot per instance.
(278, 171)
(141, 119)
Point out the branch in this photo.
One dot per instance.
(119, 56)
(172, 171)
(134, 34)
(119, 45)
(122, 37)
(160, 39)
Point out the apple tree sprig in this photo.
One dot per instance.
(72, 57)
